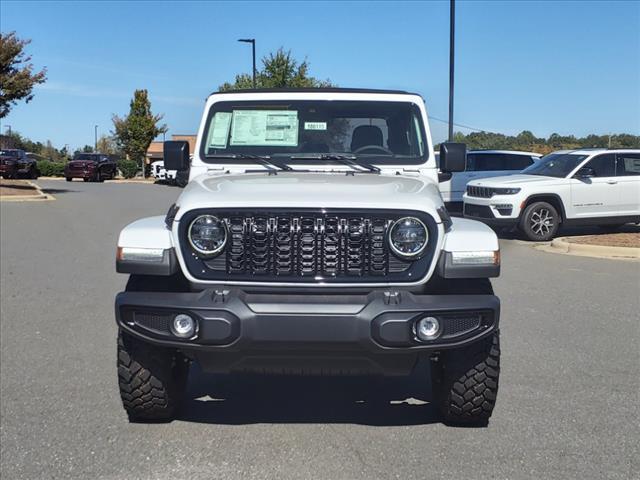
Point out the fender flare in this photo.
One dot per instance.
(145, 247)
(467, 236)
(542, 196)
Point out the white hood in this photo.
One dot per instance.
(311, 190)
(515, 180)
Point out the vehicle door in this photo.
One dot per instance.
(596, 195)
(628, 178)
(444, 181)
(22, 161)
(476, 162)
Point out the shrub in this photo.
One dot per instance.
(128, 168)
(50, 169)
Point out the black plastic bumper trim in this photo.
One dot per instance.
(496, 222)
(244, 322)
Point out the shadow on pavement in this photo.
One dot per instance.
(17, 186)
(248, 399)
(57, 191)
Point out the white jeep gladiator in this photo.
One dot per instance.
(570, 187)
(311, 239)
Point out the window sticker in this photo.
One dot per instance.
(315, 125)
(264, 127)
(632, 165)
(219, 130)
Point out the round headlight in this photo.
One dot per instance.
(408, 237)
(207, 235)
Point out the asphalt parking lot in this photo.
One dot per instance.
(568, 405)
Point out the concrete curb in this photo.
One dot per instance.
(561, 245)
(40, 196)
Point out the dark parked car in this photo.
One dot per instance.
(91, 167)
(15, 163)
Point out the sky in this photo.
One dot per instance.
(565, 67)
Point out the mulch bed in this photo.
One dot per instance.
(16, 187)
(609, 240)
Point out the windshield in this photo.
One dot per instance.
(87, 157)
(9, 153)
(555, 165)
(303, 131)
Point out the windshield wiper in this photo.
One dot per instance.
(261, 159)
(349, 160)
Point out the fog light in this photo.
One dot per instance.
(427, 328)
(183, 326)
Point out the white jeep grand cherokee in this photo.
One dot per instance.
(311, 239)
(573, 187)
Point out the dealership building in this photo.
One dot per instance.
(155, 150)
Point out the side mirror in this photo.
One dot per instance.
(585, 172)
(176, 155)
(444, 176)
(453, 157)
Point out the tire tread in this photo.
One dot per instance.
(466, 382)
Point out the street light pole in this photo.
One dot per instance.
(452, 35)
(8, 127)
(252, 41)
(95, 147)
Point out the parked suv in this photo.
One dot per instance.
(482, 164)
(16, 163)
(161, 174)
(572, 187)
(311, 239)
(91, 167)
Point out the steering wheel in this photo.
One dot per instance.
(373, 147)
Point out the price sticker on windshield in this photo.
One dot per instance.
(315, 125)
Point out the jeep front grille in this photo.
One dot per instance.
(308, 246)
(481, 192)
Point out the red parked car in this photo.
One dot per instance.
(91, 167)
(16, 163)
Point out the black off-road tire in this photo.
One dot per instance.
(69, 179)
(465, 382)
(152, 379)
(539, 222)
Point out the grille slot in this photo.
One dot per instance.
(480, 192)
(481, 211)
(153, 321)
(455, 326)
(308, 246)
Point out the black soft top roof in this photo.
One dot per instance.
(316, 90)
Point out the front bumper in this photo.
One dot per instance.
(8, 170)
(310, 334)
(79, 173)
(503, 210)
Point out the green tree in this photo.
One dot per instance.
(17, 77)
(526, 140)
(279, 70)
(135, 132)
(108, 144)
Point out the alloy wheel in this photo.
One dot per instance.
(542, 222)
